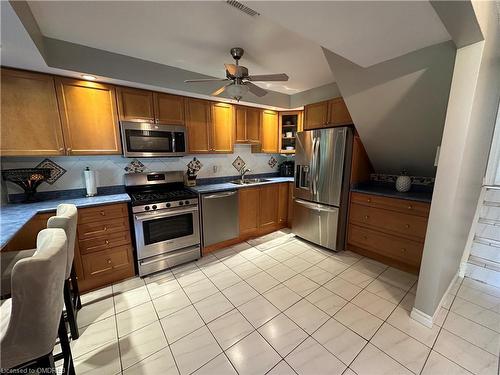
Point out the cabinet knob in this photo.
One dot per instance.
(369, 200)
(365, 237)
(407, 226)
(105, 228)
(403, 250)
(106, 242)
(366, 217)
(410, 207)
(61, 150)
(109, 261)
(102, 213)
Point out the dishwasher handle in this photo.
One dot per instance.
(220, 195)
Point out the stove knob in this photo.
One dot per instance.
(186, 202)
(154, 207)
(167, 205)
(181, 203)
(146, 208)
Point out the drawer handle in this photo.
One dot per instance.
(403, 250)
(102, 213)
(109, 261)
(366, 217)
(407, 226)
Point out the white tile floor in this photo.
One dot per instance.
(277, 305)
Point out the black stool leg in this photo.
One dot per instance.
(68, 366)
(74, 288)
(46, 362)
(70, 310)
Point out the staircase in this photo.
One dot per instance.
(483, 263)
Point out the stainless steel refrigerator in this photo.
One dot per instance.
(322, 172)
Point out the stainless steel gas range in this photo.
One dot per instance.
(165, 218)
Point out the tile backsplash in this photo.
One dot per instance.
(110, 169)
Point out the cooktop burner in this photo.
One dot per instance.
(140, 198)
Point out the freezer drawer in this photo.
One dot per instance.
(220, 212)
(316, 223)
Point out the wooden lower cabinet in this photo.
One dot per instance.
(387, 229)
(290, 204)
(105, 253)
(263, 209)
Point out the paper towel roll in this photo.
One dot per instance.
(90, 184)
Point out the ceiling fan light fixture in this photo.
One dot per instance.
(237, 91)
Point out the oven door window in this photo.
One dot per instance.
(148, 141)
(167, 228)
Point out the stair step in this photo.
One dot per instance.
(490, 253)
(486, 263)
(485, 275)
(491, 203)
(486, 241)
(487, 221)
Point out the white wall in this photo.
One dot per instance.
(110, 169)
(470, 120)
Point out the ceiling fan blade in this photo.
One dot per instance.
(254, 89)
(206, 80)
(231, 69)
(221, 89)
(269, 77)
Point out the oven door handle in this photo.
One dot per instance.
(172, 212)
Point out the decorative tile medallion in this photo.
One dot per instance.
(194, 166)
(56, 171)
(391, 178)
(238, 163)
(135, 166)
(272, 162)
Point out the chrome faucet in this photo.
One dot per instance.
(243, 172)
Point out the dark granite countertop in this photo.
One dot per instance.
(14, 215)
(225, 186)
(417, 193)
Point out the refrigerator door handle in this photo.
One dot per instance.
(316, 167)
(313, 167)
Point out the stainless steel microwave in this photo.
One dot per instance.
(145, 140)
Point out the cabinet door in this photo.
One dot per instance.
(222, 127)
(316, 115)
(240, 116)
(249, 211)
(338, 114)
(268, 217)
(283, 203)
(89, 118)
(253, 125)
(30, 116)
(135, 105)
(198, 125)
(269, 132)
(169, 109)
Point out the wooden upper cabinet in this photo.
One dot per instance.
(338, 114)
(30, 122)
(248, 124)
(198, 125)
(89, 117)
(329, 113)
(222, 128)
(269, 132)
(315, 115)
(268, 216)
(135, 105)
(169, 109)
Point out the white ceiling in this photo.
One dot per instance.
(191, 35)
(364, 32)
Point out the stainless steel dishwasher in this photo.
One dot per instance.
(220, 217)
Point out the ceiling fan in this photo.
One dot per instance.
(239, 82)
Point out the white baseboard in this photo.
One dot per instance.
(426, 319)
(462, 269)
(422, 317)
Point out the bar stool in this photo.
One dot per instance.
(66, 218)
(31, 320)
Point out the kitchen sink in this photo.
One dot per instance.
(249, 181)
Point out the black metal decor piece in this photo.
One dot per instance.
(27, 178)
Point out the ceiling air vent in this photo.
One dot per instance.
(243, 8)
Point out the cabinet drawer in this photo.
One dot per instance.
(100, 213)
(406, 251)
(401, 205)
(392, 221)
(101, 228)
(107, 261)
(104, 242)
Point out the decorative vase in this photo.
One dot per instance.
(403, 182)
